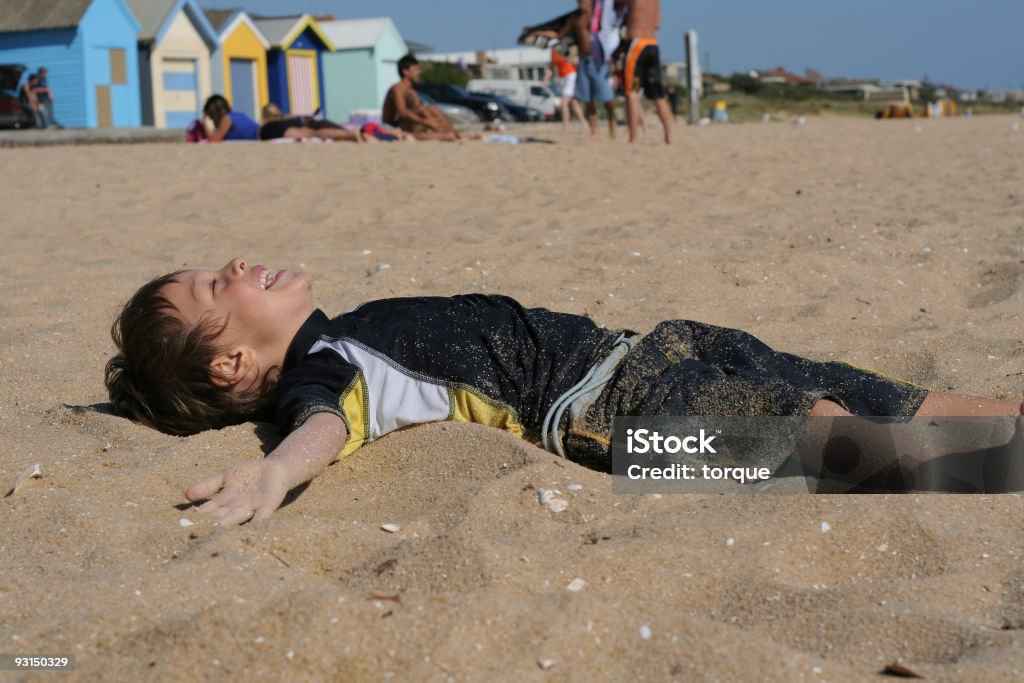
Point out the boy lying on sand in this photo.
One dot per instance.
(201, 349)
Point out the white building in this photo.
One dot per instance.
(520, 63)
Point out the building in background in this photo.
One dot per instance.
(174, 61)
(238, 67)
(364, 65)
(520, 63)
(89, 48)
(295, 63)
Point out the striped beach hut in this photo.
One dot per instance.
(294, 62)
(239, 64)
(364, 65)
(174, 60)
(89, 48)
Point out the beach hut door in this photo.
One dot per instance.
(302, 85)
(104, 111)
(243, 87)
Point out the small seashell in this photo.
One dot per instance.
(383, 266)
(645, 632)
(545, 664)
(391, 528)
(33, 472)
(825, 527)
(184, 521)
(574, 487)
(730, 541)
(576, 585)
(558, 505)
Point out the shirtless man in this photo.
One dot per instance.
(403, 109)
(643, 65)
(596, 44)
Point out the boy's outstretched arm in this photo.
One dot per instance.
(253, 490)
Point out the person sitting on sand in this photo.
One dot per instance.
(227, 124)
(276, 126)
(202, 349)
(404, 110)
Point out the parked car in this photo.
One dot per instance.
(459, 115)
(485, 108)
(519, 112)
(525, 93)
(13, 114)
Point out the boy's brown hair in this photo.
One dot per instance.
(161, 375)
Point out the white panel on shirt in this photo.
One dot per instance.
(398, 397)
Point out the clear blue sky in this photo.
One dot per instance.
(968, 43)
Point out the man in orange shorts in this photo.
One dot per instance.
(643, 65)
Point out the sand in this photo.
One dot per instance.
(895, 245)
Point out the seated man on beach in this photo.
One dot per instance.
(403, 109)
(642, 66)
(202, 349)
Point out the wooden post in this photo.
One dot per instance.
(693, 79)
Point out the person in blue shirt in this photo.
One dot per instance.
(227, 124)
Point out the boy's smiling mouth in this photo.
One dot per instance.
(265, 278)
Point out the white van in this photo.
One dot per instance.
(529, 93)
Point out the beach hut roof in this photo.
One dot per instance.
(226, 21)
(354, 34)
(156, 16)
(19, 15)
(281, 31)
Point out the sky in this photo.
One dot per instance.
(971, 44)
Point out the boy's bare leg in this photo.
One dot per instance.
(633, 115)
(876, 456)
(665, 114)
(577, 111)
(591, 109)
(609, 108)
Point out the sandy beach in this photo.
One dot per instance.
(894, 245)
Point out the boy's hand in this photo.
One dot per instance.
(254, 490)
(249, 491)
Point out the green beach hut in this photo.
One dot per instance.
(363, 66)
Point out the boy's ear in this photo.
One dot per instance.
(231, 367)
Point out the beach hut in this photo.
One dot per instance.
(239, 64)
(89, 48)
(174, 60)
(364, 65)
(294, 62)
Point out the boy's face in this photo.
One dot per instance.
(263, 306)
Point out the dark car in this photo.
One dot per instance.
(13, 113)
(484, 107)
(519, 112)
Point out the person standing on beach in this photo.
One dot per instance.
(597, 36)
(565, 71)
(643, 65)
(30, 101)
(45, 98)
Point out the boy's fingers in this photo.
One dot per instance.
(205, 489)
(234, 516)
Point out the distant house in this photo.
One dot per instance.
(294, 62)
(239, 64)
(780, 75)
(519, 63)
(364, 65)
(89, 48)
(174, 60)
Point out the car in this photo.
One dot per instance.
(13, 113)
(459, 115)
(487, 109)
(535, 94)
(519, 112)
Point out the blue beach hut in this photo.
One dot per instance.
(174, 59)
(89, 49)
(295, 63)
(364, 65)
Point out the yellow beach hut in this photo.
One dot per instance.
(239, 65)
(174, 57)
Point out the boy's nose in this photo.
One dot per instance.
(236, 266)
